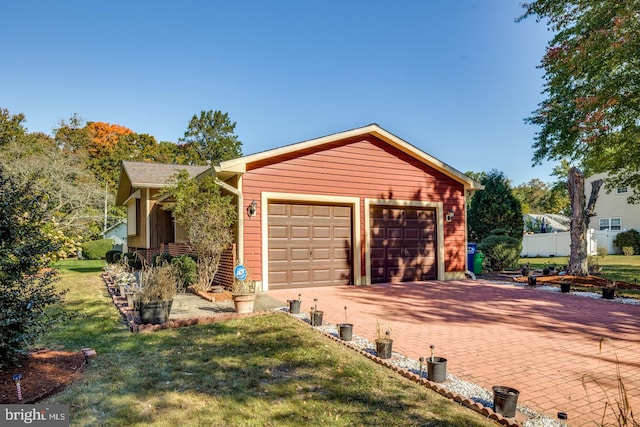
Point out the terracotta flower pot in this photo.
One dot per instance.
(244, 303)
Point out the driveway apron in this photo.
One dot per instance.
(563, 352)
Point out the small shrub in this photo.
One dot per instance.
(117, 257)
(186, 270)
(96, 249)
(160, 259)
(133, 260)
(628, 238)
(627, 250)
(110, 256)
(500, 251)
(602, 251)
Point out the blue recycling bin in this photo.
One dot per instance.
(472, 248)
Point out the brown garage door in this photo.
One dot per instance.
(309, 245)
(403, 244)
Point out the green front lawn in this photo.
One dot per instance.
(267, 370)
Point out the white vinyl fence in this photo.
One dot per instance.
(559, 243)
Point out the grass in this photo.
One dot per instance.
(267, 370)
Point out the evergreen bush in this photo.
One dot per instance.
(628, 238)
(500, 251)
(96, 249)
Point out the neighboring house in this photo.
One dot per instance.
(613, 214)
(612, 211)
(356, 207)
(547, 223)
(118, 234)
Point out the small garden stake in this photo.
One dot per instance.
(433, 348)
(345, 314)
(421, 363)
(17, 378)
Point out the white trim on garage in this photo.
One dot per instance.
(438, 206)
(354, 202)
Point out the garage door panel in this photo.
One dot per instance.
(323, 254)
(403, 244)
(321, 232)
(277, 209)
(318, 249)
(278, 255)
(279, 232)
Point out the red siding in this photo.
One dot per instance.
(366, 167)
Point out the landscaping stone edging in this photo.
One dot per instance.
(121, 304)
(458, 398)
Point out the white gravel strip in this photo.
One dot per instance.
(453, 383)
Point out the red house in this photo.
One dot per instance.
(357, 207)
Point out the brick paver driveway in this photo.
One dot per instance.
(545, 344)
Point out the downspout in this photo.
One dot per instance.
(240, 224)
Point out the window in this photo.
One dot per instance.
(610, 223)
(622, 190)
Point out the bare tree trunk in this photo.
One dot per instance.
(581, 213)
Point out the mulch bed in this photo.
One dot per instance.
(44, 373)
(592, 281)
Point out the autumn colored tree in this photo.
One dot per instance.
(591, 114)
(210, 137)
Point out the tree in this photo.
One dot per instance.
(11, 126)
(582, 211)
(74, 199)
(494, 208)
(26, 281)
(211, 138)
(531, 195)
(591, 114)
(208, 217)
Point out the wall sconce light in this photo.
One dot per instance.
(251, 209)
(450, 215)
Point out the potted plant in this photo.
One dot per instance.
(316, 316)
(294, 305)
(158, 287)
(345, 329)
(609, 291)
(565, 287)
(384, 343)
(244, 295)
(436, 367)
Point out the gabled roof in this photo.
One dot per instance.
(149, 175)
(239, 165)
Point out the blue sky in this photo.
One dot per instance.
(455, 78)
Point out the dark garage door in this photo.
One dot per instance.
(403, 244)
(309, 245)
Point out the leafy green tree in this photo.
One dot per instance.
(11, 126)
(531, 195)
(74, 199)
(591, 115)
(208, 217)
(211, 137)
(26, 281)
(495, 207)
